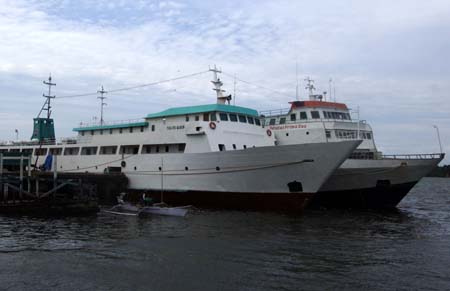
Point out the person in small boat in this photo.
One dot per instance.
(148, 201)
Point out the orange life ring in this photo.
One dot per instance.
(269, 132)
(212, 125)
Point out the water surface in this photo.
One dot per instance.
(408, 249)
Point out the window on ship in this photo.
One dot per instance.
(242, 119)
(272, 121)
(250, 120)
(129, 149)
(187, 118)
(26, 151)
(206, 117)
(40, 152)
(197, 118)
(282, 120)
(223, 116)
(233, 117)
(108, 150)
(315, 114)
(293, 117)
(257, 122)
(56, 151)
(71, 151)
(221, 147)
(213, 116)
(88, 151)
(303, 115)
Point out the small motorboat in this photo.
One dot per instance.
(158, 209)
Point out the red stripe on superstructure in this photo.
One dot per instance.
(299, 104)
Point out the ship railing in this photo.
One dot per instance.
(108, 123)
(274, 112)
(63, 141)
(414, 156)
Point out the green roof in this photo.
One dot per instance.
(203, 109)
(112, 126)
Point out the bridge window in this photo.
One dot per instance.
(153, 127)
(120, 130)
(131, 129)
(250, 120)
(205, 117)
(142, 129)
(221, 147)
(272, 121)
(315, 114)
(92, 132)
(303, 115)
(282, 120)
(242, 119)
(233, 117)
(223, 116)
(257, 122)
(187, 118)
(111, 131)
(197, 118)
(293, 117)
(328, 133)
(82, 133)
(213, 116)
(368, 135)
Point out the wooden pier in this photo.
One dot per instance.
(23, 191)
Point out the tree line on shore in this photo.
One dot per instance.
(442, 171)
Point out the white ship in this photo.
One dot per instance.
(215, 155)
(368, 179)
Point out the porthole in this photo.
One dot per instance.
(78, 167)
(217, 168)
(160, 168)
(123, 164)
(135, 168)
(307, 132)
(186, 168)
(287, 133)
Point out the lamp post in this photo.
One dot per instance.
(439, 137)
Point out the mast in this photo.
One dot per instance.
(221, 99)
(102, 103)
(47, 106)
(296, 79)
(310, 87)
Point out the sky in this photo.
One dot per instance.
(390, 59)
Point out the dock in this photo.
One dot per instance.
(27, 191)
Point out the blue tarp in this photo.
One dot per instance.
(48, 163)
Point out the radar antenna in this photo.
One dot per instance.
(221, 99)
(102, 103)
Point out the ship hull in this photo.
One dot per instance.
(381, 183)
(251, 178)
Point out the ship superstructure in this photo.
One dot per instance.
(368, 179)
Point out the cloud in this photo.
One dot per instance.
(390, 58)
